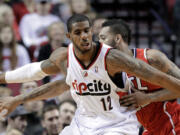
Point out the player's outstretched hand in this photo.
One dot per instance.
(7, 105)
(135, 100)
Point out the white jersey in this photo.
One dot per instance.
(95, 94)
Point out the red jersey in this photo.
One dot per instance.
(153, 116)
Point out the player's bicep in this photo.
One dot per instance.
(55, 63)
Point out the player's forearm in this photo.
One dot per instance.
(46, 91)
(163, 95)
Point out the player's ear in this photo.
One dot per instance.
(68, 35)
(118, 38)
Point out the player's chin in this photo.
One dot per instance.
(86, 48)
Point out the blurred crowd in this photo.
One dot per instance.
(29, 31)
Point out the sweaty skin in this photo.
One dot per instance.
(84, 48)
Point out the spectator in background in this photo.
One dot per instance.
(56, 35)
(33, 26)
(7, 16)
(82, 7)
(14, 132)
(67, 109)
(176, 16)
(5, 92)
(35, 108)
(51, 120)
(97, 25)
(23, 7)
(61, 8)
(2, 127)
(17, 120)
(12, 55)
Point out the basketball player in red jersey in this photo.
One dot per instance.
(157, 111)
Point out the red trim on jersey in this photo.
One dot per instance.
(68, 57)
(6, 57)
(140, 55)
(92, 62)
(105, 65)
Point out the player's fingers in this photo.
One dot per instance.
(3, 114)
(126, 97)
(132, 107)
(128, 101)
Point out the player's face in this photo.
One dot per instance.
(81, 36)
(106, 37)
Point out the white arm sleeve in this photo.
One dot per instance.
(26, 73)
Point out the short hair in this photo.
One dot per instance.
(118, 26)
(77, 18)
(68, 101)
(47, 108)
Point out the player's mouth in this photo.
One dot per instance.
(85, 44)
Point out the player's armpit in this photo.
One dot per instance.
(117, 61)
(59, 58)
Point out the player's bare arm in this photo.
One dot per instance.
(117, 61)
(37, 70)
(160, 61)
(46, 91)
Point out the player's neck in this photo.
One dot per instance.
(88, 56)
(124, 48)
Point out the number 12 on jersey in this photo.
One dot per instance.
(106, 103)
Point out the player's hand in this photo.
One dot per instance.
(7, 105)
(135, 100)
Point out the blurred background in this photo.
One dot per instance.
(31, 29)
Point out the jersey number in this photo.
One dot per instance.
(106, 103)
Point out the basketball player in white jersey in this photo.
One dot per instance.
(88, 68)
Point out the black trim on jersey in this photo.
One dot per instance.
(98, 47)
(134, 51)
(117, 79)
(93, 94)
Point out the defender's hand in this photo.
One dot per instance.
(135, 100)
